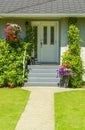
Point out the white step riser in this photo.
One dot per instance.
(42, 75)
(43, 71)
(42, 67)
(41, 84)
(38, 79)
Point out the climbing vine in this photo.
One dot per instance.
(35, 40)
(31, 37)
(72, 20)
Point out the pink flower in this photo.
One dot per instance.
(12, 32)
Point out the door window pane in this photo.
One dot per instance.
(45, 35)
(52, 35)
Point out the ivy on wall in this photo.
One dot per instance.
(31, 37)
(72, 20)
(35, 40)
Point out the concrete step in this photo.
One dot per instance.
(42, 74)
(43, 66)
(43, 79)
(43, 70)
(41, 84)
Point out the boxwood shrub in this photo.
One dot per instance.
(11, 63)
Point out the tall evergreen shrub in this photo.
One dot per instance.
(72, 56)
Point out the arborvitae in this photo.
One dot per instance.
(72, 56)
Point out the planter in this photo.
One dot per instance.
(64, 81)
(11, 85)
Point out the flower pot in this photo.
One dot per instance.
(11, 85)
(64, 81)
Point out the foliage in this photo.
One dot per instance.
(12, 53)
(69, 110)
(72, 20)
(11, 64)
(31, 37)
(65, 70)
(73, 35)
(65, 73)
(34, 41)
(12, 104)
(12, 33)
(72, 57)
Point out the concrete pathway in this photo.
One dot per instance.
(39, 111)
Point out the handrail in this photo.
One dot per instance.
(24, 57)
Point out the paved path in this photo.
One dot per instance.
(39, 111)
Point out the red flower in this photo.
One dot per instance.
(12, 32)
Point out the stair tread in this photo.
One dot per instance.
(43, 78)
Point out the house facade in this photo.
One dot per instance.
(50, 17)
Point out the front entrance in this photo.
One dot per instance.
(48, 43)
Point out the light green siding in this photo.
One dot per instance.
(63, 32)
(81, 26)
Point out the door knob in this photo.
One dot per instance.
(41, 43)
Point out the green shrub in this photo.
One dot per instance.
(11, 63)
(12, 53)
(72, 56)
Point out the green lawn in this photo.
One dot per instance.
(70, 110)
(12, 104)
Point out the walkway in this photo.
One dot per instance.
(39, 111)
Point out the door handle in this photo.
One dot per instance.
(41, 44)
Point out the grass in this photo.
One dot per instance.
(70, 110)
(12, 104)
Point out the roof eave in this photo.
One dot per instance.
(59, 15)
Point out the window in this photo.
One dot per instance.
(45, 35)
(52, 35)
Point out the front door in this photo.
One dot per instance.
(48, 42)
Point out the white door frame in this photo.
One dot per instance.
(39, 25)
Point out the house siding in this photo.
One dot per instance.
(63, 36)
(81, 26)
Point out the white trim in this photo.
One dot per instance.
(47, 15)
